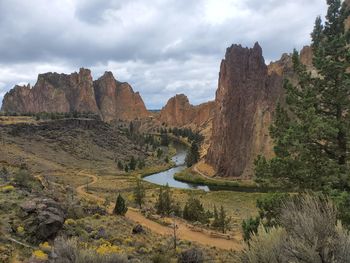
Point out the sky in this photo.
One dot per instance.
(161, 47)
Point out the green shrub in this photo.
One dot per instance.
(249, 227)
(193, 255)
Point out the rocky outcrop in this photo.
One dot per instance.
(55, 92)
(117, 100)
(245, 100)
(42, 218)
(179, 112)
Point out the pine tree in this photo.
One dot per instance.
(132, 163)
(139, 193)
(312, 134)
(120, 206)
(164, 204)
(194, 211)
(193, 155)
(215, 222)
(164, 139)
(159, 153)
(224, 220)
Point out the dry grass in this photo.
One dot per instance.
(206, 169)
(6, 120)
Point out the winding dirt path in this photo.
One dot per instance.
(183, 230)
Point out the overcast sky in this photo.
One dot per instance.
(161, 47)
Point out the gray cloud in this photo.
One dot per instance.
(161, 47)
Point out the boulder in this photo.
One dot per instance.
(138, 229)
(42, 218)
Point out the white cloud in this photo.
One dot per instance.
(161, 47)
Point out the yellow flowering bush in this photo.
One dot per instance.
(128, 241)
(7, 188)
(45, 247)
(108, 248)
(70, 221)
(41, 255)
(20, 229)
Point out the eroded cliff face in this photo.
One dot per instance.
(117, 100)
(55, 92)
(245, 100)
(179, 112)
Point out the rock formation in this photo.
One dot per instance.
(42, 218)
(245, 100)
(179, 112)
(55, 92)
(117, 100)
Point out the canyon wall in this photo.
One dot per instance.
(179, 112)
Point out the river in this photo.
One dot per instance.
(167, 177)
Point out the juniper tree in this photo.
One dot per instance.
(194, 211)
(193, 155)
(164, 204)
(132, 163)
(139, 193)
(224, 220)
(215, 222)
(311, 134)
(120, 206)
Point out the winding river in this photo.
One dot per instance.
(167, 177)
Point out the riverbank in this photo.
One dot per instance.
(191, 177)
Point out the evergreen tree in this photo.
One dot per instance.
(120, 165)
(194, 211)
(159, 152)
(215, 222)
(224, 220)
(249, 227)
(167, 160)
(120, 206)
(311, 136)
(164, 204)
(132, 163)
(164, 139)
(126, 168)
(141, 164)
(193, 155)
(139, 193)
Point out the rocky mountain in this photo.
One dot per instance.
(246, 98)
(55, 92)
(245, 101)
(117, 100)
(179, 112)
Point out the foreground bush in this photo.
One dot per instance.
(308, 232)
(68, 251)
(192, 255)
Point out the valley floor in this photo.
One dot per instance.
(80, 166)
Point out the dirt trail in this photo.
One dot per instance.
(183, 230)
(82, 192)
